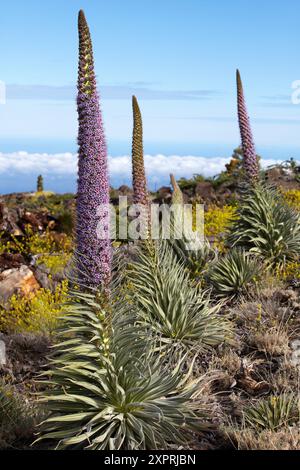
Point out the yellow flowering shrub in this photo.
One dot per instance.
(292, 197)
(56, 262)
(37, 312)
(48, 243)
(54, 251)
(35, 197)
(5, 246)
(217, 221)
(290, 271)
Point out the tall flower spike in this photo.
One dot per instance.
(249, 154)
(177, 212)
(140, 193)
(93, 252)
(177, 196)
(138, 168)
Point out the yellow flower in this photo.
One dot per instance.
(37, 312)
(217, 221)
(292, 197)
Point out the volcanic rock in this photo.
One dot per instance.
(11, 260)
(8, 222)
(17, 281)
(205, 191)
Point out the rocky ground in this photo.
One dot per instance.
(261, 362)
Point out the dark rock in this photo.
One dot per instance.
(28, 218)
(41, 273)
(188, 193)
(205, 191)
(225, 194)
(282, 177)
(164, 194)
(8, 221)
(26, 355)
(124, 190)
(11, 260)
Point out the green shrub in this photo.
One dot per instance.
(54, 203)
(17, 417)
(170, 307)
(106, 389)
(273, 412)
(232, 274)
(66, 222)
(267, 226)
(196, 261)
(191, 183)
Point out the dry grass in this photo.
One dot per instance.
(273, 343)
(259, 367)
(248, 439)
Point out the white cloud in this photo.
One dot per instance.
(27, 163)
(158, 167)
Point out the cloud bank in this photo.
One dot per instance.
(158, 167)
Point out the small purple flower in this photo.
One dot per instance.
(249, 154)
(93, 254)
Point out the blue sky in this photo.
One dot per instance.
(178, 56)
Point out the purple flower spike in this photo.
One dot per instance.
(250, 159)
(94, 253)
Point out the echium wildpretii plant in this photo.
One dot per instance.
(177, 196)
(115, 393)
(194, 256)
(250, 161)
(93, 252)
(140, 192)
(40, 184)
(138, 168)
